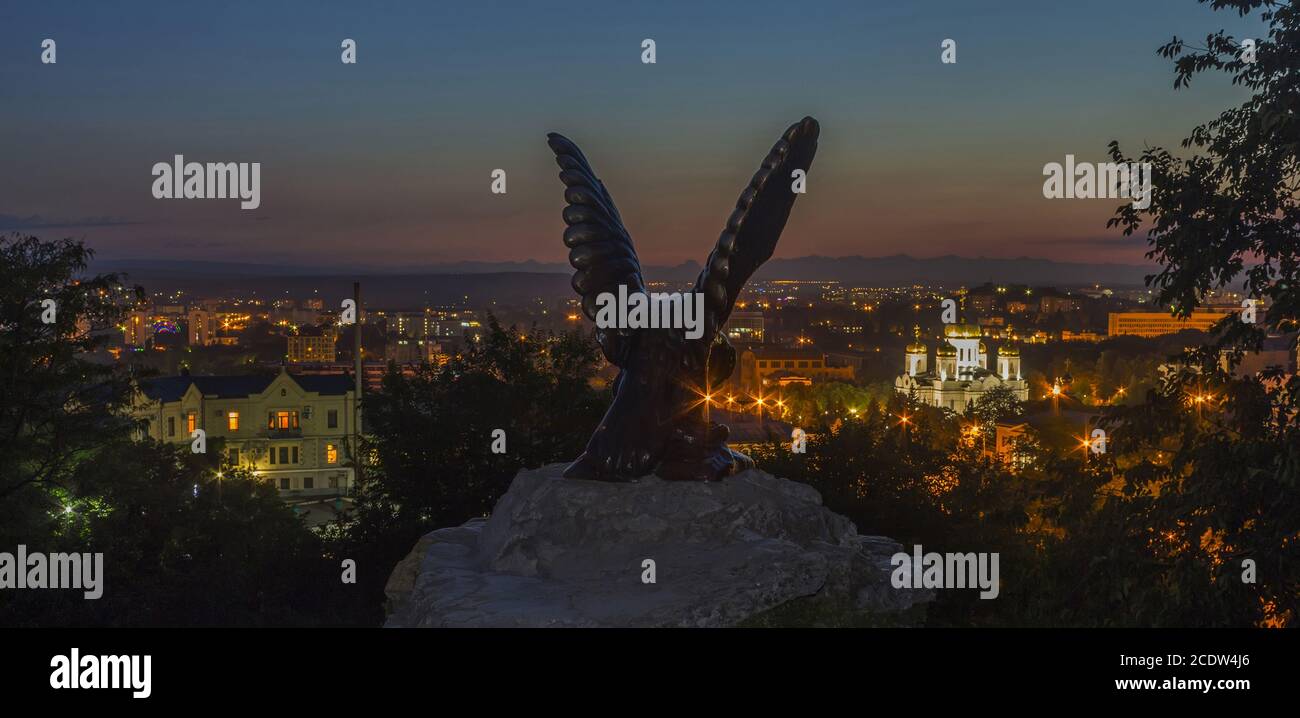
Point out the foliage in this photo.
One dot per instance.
(430, 436)
(181, 545)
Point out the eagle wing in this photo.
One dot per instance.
(600, 248)
(755, 226)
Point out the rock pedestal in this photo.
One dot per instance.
(750, 550)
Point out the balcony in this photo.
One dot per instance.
(282, 433)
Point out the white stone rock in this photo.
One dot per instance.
(564, 552)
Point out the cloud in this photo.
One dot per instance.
(36, 221)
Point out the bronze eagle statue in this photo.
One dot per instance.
(654, 424)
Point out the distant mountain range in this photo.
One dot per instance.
(881, 271)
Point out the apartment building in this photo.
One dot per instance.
(1154, 324)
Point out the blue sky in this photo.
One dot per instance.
(387, 162)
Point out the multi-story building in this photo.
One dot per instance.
(1154, 324)
(1053, 302)
(1083, 336)
(745, 327)
(202, 326)
(137, 329)
(290, 430)
(770, 365)
(982, 301)
(414, 351)
(312, 347)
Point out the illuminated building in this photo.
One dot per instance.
(414, 351)
(308, 348)
(1054, 302)
(202, 327)
(770, 365)
(290, 430)
(745, 327)
(1084, 336)
(960, 374)
(1008, 444)
(137, 330)
(1154, 324)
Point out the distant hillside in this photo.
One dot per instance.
(882, 271)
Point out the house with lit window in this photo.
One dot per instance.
(292, 431)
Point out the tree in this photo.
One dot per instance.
(1227, 492)
(56, 403)
(431, 437)
(183, 542)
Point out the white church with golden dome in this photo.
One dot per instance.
(961, 372)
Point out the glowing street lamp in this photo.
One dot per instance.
(1086, 446)
(759, 403)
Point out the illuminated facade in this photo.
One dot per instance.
(289, 430)
(1154, 324)
(202, 327)
(306, 348)
(745, 327)
(960, 375)
(770, 365)
(137, 329)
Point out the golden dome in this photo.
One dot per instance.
(961, 331)
(917, 348)
(946, 350)
(983, 349)
(1009, 351)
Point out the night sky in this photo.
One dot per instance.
(386, 163)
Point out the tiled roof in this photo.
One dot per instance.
(172, 388)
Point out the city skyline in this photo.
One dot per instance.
(386, 163)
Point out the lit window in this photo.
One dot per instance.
(232, 420)
(282, 420)
(191, 422)
(331, 454)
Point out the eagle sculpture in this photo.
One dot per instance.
(657, 422)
